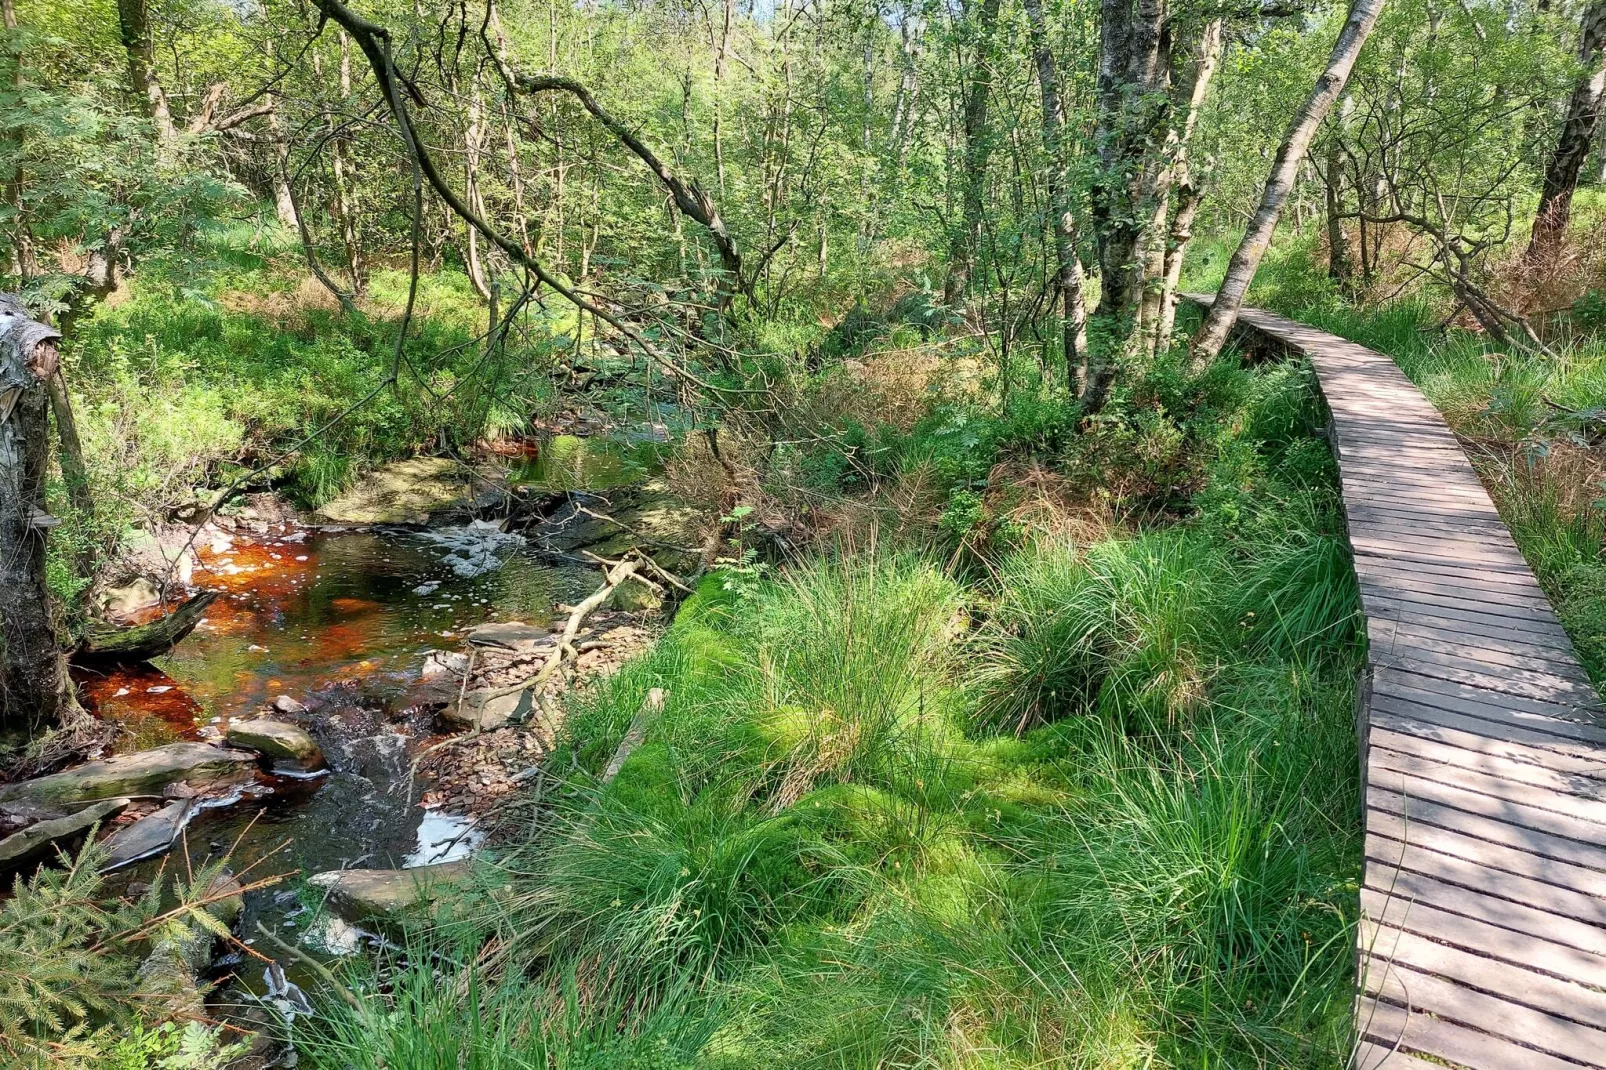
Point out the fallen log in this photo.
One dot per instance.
(108, 643)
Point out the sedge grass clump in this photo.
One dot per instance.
(1125, 626)
(1203, 888)
(852, 658)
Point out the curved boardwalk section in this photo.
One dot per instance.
(1482, 941)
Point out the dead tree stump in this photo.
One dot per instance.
(34, 688)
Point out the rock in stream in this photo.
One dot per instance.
(36, 842)
(144, 773)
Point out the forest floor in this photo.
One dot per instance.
(990, 739)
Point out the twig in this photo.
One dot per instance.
(620, 572)
(315, 966)
(637, 732)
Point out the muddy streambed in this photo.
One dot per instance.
(341, 621)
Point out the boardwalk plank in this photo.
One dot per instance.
(1376, 1057)
(1489, 719)
(1387, 882)
(1387, 1024)
(1490, 830)
(1490, 744)
(1390, 769)
(1458, 930)
(1554, 997)
(1519, 861)
(1483, 934)
(1411, 685)
(1490, 1014)
(1554, 822)
(1393, 636)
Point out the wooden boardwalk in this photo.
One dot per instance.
(1483, 932)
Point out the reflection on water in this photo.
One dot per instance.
(341, 621)
(568, 462)
(316, 612)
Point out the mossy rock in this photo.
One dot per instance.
(144, 773)
(406, 492)
(383, 895)
(36, 842)
(277, 740)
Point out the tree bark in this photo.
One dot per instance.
(133, 22)
(345, 207)
(1129, 94)
(27, 262)
(284, 202)
(1068, 280)
(1339, 266)
(1577, 137)
(1175, 192)
(1245, 260)
(965, 243)
(34, 688)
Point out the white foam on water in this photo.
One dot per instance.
(443, 837)
(476, 548)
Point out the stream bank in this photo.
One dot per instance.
(364, 637)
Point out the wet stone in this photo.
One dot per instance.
(143, 773)
(40, 841)
(279, 741)
(150, 835)
(512, 635)
(384, 894)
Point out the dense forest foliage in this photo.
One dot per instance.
(1006, 713)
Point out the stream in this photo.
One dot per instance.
(342, 621)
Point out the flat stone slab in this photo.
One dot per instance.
(280, 741)
(486, 710)
(512, 635)
(150, 835)
(36, 842)
(384, 894)
(406, 492)
(144, 773)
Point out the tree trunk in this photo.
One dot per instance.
(1577, 136)
(1176, 194)
(345, 208)
(34, 689)
(133, 21)
(966, 239)
(1339, 267)
(27, 263)
(1245, 260)
(284, 201)
(1067, 268)
(473, 142)
(1129, 95)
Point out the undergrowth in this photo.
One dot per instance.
(1064, 802)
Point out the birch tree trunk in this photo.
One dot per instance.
(1130, 106)
(473, 142)
(34, 689)
(1577, 136)
(284, 202)
(1068, 269)
(1175, 193)
(1223, 314)
(345, 207)
(1339, 267)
